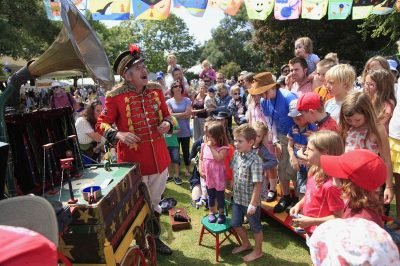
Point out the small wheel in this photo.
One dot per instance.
(134, 257)
(150, 251)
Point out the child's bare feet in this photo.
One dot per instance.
(255, 255)
(241, 248)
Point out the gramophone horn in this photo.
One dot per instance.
(76, 48)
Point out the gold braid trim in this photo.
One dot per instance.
(105, 126)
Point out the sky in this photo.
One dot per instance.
(199, 27)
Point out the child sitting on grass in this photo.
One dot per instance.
(248, 176)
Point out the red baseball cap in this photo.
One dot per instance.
(21, 246)
(362, 167)
(309, 100)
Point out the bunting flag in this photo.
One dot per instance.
(314, 9)
(259, 9)
(194, 7)
(287, 9)
(339, 9)
(213, 4)
(362, 9)
(53, 9)
(383, 7)
(151, 9)
(109, 10)
(230, 7)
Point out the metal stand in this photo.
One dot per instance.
(47, 156)
(66, 164)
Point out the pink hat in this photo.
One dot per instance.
(352, 241)
(362, 167)
(21, 246)
(309, 100)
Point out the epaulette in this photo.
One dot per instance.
(153, 86)
(117, 90)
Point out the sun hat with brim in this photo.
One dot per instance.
(262, 83)
(362, 167)
(352, 241)
(32, 212)
(127, 59)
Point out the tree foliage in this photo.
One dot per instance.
(231, 42)
(24, 28)
(156, 39)
(276, 39)
(230, 69)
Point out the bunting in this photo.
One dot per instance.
(287, 9)
(194, 7)
(314, 9)
(383, 7)
(256, 9)
(259, 9)
(339, 9)
(151, 9)
(230, 7)
(109, 10)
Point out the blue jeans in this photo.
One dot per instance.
(238, 213)
(174, 154)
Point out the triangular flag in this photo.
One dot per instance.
(259, 9)
(314, 9)
(339, 9)
(194, 7)
(151, 9)
(230, 7)
(110, 10)
(287, 9)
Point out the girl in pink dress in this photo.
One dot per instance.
(212, 169)
(360, 129)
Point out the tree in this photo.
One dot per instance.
(156, 39)
(276, 39)
(230, 69)
(25, 30)
(231, 42)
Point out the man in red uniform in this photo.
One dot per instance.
(141, 116)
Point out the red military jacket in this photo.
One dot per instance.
(140, 114)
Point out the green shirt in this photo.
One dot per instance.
(172, 139)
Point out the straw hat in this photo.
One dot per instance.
(262, 83)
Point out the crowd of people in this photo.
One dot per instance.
(316, 126)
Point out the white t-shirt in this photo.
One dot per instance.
(333, 108)
(83, 127)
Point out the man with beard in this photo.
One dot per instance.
(298, 83)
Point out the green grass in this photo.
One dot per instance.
(281, 246)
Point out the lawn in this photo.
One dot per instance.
(281, 246)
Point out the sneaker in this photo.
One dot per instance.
(221, 219)
(271, 196)
(245, 220)
(201, 202)
(299, 230)
(178, 180)
(169, 179)
(211, 218)
(282, 205)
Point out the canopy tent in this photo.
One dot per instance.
(195, 69)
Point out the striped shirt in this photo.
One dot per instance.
(247, 170)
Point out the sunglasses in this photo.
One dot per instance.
(176, 87)
(236, 93)
(206, 80)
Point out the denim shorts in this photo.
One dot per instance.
(238, 213)
(301, 182)
(174, 154)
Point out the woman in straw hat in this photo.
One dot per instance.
(275, 106)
